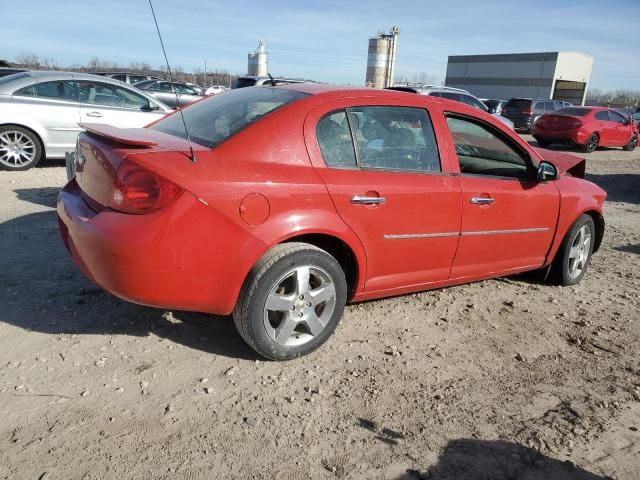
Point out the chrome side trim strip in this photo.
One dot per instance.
(421, 235)
(405, 236)
(499, 232)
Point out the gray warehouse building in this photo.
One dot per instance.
(556, 75)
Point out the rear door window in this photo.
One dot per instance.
(334, 139)
(394, 138)
(121, 77)
(451, 96)
(58, 90)
(215, 119)
(616, 117)
(602, 115)
(469, 100)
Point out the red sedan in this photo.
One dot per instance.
(586, 127)
(302, 198)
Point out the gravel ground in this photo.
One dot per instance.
(501, 379)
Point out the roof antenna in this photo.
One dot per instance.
(273, 82)
(192, 157)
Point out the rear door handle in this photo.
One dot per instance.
(94, 114)
(362, 200)
(482, 200)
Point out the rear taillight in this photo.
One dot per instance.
(527, 111)
(575, 124)
(137, 190)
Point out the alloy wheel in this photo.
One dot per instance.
(592, 143)
(579, 253)
(16, 149)
(299, 306)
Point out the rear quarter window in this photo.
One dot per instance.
(212, 121)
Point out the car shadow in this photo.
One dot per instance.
(41, 290)
(620, 187)
(629, 248)
(46, 196)
(51, 162)
(471, 459)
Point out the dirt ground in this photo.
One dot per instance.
(502, 379)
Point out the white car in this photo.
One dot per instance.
(40, 112)
(215, 90)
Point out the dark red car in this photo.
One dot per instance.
(586, 127)
(305, 197)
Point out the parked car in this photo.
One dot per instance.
(305, 197)
(586, 127)
(127, 77)
(174, 94)
(456, 94)
(215, 89)
(4, 71)
(252, 81)
(523, 112)
(565, 104)
(494, 105)
(40, 111)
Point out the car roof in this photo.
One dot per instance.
(338, 91)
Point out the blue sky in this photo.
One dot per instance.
(325, 41)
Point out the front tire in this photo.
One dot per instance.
(591, 144)
(20, 149)
(574, 254)
(291, 301)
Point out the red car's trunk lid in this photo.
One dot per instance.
(558, 122)
(101, 150)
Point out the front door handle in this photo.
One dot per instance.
(482, 200)
(94, 114)
(363, 200)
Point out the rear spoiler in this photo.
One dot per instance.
(131, 137)
(404, 89)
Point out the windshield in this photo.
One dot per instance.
(212, 121)
(572, 111)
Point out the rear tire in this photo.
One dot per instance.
(631, 146)
(591, 144)
(574, 254)
(20, 149)
(291, 301)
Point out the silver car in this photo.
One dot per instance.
(457, 94)
(40, 112)
(172, 93)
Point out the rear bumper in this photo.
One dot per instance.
(521, 123)
(573, 136)
(187, 256)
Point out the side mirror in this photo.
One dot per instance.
(547, 172)
(149, 107)
(627, 121)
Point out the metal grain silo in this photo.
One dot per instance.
(381, 59)
(257, 61)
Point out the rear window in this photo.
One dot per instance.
(573, 111)
(244, 82)
(519, 103)
(212, 121)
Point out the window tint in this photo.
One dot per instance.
(244, 82)
(519, 103)
(451, 96)
(184, 89)
(215, 119)
(481, 152)
(573, 111)
(59, 90)
(121, 77)
(98, 93)
(163, 87)
(469, 100)
(538, 106)
(602, 115)
(435, 94)
(395, 138)
(137, 78)
(549, 106)
(616, 117)
(334, 138)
